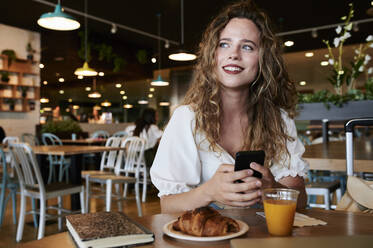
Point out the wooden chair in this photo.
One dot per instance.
(124, 173)
(32, 185)
(107, 165)
(56, 160)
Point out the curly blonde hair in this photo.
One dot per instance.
(270, 92)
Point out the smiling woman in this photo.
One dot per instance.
(241, 98)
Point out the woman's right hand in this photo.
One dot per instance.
(222, 187)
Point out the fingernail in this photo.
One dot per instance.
(258, 183)
(259, 193)
(250, 172)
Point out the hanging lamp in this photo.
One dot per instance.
(58, 20)
(182, 54)
(106, 103)
(159, 81)
(94, 93)
(85, 71)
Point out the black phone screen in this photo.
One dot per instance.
(244, 158)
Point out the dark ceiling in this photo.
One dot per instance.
(287, 15)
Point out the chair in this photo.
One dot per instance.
(32, 185)
(30, 139)
(100, 134)
(120, 134)
(126, 173)
(6, 141)
(56, 160)
(7, 183)
(107, 164)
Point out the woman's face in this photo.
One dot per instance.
(237, 55)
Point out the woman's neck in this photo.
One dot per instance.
(233, 103)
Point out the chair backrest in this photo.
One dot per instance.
(100, 134)
(120, 134)
(50, 139)
(4, 163)
(30, 139)
(27, 168)
(133, 155)
(109, 158)
(10, 139)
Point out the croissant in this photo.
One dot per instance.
(204, 222)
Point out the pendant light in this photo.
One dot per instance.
(85, 71)
(159, 81)
(95, 93)
(58, 20)
(181, 54)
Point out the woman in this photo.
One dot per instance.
(240, 99)
(145, 128)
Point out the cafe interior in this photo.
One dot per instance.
(76, 75)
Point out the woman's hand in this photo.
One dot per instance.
(222, 187)
(268, 181)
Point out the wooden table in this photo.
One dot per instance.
(340, 223)
(332, 156)
(75, 152)
(84, 141)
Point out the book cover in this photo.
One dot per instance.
(106, 229)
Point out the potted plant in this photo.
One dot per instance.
(30, 52)
(346, 101)
(5, 76)
(63, 129)
(11, 54)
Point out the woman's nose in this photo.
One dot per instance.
(234, 54)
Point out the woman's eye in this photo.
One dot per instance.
(247, 47)
(223, 44)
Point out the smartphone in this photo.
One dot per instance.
(244, 158)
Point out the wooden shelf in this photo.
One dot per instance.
(23, 69)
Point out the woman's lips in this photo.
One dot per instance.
(232, 69)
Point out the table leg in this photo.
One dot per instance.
(76, 178)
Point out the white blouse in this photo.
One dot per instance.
(151, 136)
(183, 160)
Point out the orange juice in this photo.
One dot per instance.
(279, 216)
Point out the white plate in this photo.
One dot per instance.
(168, 230)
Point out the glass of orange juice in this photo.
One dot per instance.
(279, 208)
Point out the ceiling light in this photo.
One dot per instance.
(80, 77)
(61, 80)
(75, 106)
(96, 107)
(118, 85)
(302, 83)
(167, 44)
(159, 82)
(181, 54)
(47, 109)
(124, 97)
(101, 74)
(164, 104)
(94, 94)
(309, 54)
(67, 110)
(314, 33)
(122, 92)
(151, 89)
(127, 106)
(70, 100)
(154, 60)
(58, 20)
(289, 43)
(44, 100)
(142, 101)
(88, 88)
(85, 70)
(45, 82)
(114, 28)
(61, 92)
(106, 103)
(324, 63)
(41, 66)
(150, 95)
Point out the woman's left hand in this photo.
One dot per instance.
(268, 181)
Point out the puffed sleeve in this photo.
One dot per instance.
(295, 165)
(177, 167)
